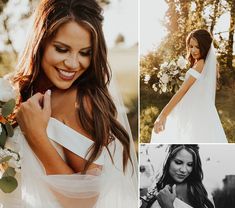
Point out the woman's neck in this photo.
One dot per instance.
(182, 192)
(42, 83)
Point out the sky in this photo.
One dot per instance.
(121, 16)
(152, 31)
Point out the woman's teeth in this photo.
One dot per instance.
(67, 74)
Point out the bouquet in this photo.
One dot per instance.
(9, 159)
(168, 77)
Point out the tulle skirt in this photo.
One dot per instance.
(98, 188)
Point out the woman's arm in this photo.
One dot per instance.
(33, 117)
(159, 124)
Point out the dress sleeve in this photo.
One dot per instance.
(194, 73)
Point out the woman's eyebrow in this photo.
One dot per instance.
(67, 46)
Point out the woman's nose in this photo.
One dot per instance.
(193, 50)
(183, 169)
(72, 62)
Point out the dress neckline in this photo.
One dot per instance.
(72, 140)
(71, 129)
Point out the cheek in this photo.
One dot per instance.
(85, 62)
(50, 57)
(190, 169)
(172, 169)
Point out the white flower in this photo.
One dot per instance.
(163, 65)
(182, 62)
(147, 78)
(164, 78)
(154, 87)
(164, 88)
(16, 164)
(7, 92)
(181, 78)
(175, 72)
(172, 63)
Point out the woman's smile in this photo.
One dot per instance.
(65, 75)
(67, 56)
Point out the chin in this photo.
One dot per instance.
(178, 180)
(63, 86)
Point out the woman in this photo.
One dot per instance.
(180, 183)
(191, 115)
(75, 151)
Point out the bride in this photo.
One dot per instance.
(180, 182)
(191, 115)
(75, 150)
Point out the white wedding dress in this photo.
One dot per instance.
(99, 188)
(195, 118)
(177, 204)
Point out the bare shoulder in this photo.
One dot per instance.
(199, 65)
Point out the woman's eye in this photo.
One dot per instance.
(190, 164)
(178, 162)
(85, 53)
(61, 50)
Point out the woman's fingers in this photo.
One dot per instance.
(174, 190)
(47, 102)
(158, 127)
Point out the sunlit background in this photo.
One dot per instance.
(121, 33)
(164, 26)
(153, 13)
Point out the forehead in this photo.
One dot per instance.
(184, 155)
(193, 41)
(74, 35)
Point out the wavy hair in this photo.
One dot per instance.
(196, 191)
(101, 123)
(204, 39)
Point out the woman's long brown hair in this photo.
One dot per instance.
(204, 40)
(101, 123)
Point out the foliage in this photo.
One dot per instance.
(159, 79)
(9, 160)
(225, 197)
(181, 18)
(147, 119)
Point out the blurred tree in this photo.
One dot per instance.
(213, 17)
(231, 36)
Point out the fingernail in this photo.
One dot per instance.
(48, 92)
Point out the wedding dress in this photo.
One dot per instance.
(99, 188)
(177, 204)
(103, 187)
(195, 118)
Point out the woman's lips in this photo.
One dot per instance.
(181, 176)
(65, 75)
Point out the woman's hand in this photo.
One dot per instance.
(159, 124)
(33, 116)
(166, 196)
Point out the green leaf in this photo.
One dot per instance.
(8, 184)
(10, 130)
(3, 137)
(8, 108)
(5, 159)
(10, 171)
